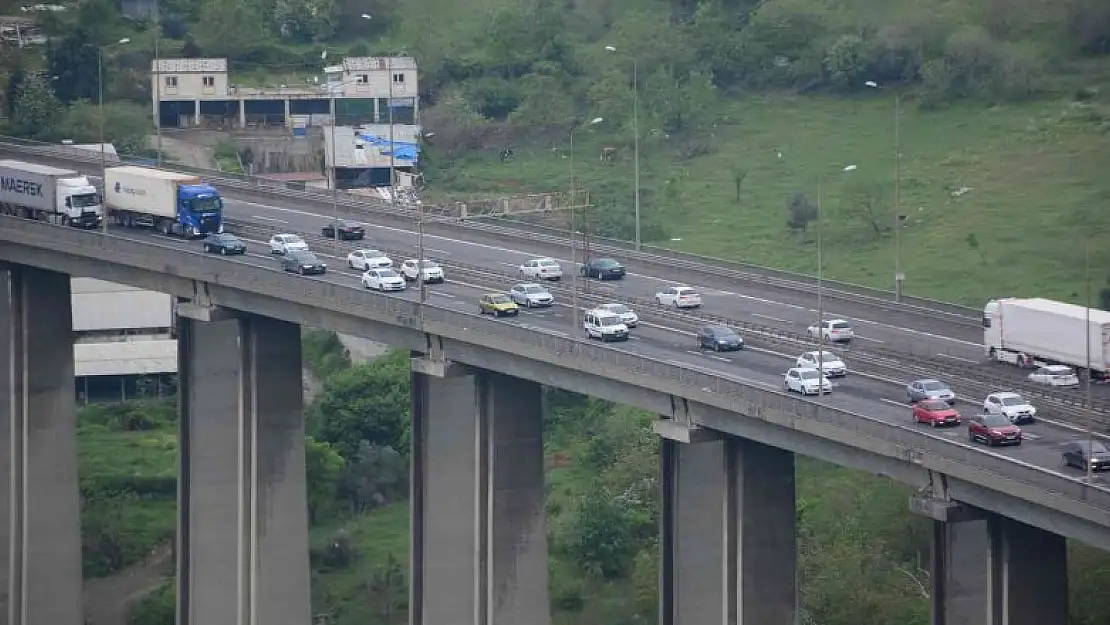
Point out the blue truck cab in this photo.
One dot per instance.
(200, 210)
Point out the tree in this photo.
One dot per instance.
(799, 212)
(37, 112)
(230, 28)
(601, 537)
(374, 477)
(365, 403)
(126, 125)
(865, 205)
(389, 583)
(738, 175)
(74, 64)
(973, 243)
(16, 80)
(323, 466)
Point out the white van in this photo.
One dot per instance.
(604, 325)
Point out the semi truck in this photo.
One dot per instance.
(48, 194)
(1036, 332)
(166, 201)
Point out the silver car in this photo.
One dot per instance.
(930, 389)
(531, 295)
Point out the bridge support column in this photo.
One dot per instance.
(40, 544)
(479, 522)
(995, 570)
(242, 553)
(728, 550)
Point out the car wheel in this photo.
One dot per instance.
(381, 287)
(675, 304)
(716, 347)
(786, 386)
(350, 264)
(301, 271)
(933, 423)
(223, 251)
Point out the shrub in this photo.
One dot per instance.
(1089, 25)
(846, 62)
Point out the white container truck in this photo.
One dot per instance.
(48, 194)
(1036, 332)
(169, 202)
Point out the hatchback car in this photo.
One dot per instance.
(541, 269)
(833, 366)
(303, 262)
(344, 230)
(368, 259)
(383, 280)
(993, 429)
(431, 274)
(604, 326)
(1010, 405)
(628, 317)
(531, 296)
(678, 297)
(1055, 375)
(497, 304)
(930, 389)
(224, 244)
(285, 243)
(602, 269)
(806, 381)
(935, 412)
(837, 330)
(719, 338)
(1083, 454)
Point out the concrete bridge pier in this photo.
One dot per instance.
(479, 521)
(989, 569)
(40, 539)
(242, 552)
(727, 536)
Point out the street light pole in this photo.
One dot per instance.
(573, 233)
(100, 114)
(899, 272)
(158, 88)
(820, 290)
(392, 146)
(1090, 424)
(334, 170)
(635, 138)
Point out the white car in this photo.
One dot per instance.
(531, 295)
(604, 326)
(806, 381)
(541, 269)
(837, 330)
(1055, 375)
(285, 243)
(368, 259)
(1010, 405)
(627, 316)
(834, 367)
(679, 297)
(383, 280)
(432, 273)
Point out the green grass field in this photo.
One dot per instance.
(1032, 175)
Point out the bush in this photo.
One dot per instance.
(158, 608)
(601, 537)
(133, 416)
(368, 403)
(323, 353)
(846, 62)
(1089, 25)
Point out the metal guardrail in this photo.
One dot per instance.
(654, 256)
(1002, 474)
(969, 380)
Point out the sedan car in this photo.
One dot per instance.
(1081, 454)
(303, 262)
(368, 259)
(930, 389)
(832, 364)
(345, 230)
(1055, 375)
(806, 381)
(224, 244)
(531, 296)
(541, 269)
(837, 330)
(935, 412)
(603, 269)
(383, 280)
(627, 316)
(993, 429)
(285, 243)
(1010, 405)
(678, 297)
(719, 338)
(497, 304)
(432, 273)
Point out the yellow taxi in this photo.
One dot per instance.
(497, 304)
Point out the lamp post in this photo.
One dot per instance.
(573, 232)
(1091, 424)
(821, 280)
(899, 272)
(157, 88)
(100, 111)
(635, 138)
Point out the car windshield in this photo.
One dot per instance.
(500, 299)
(1096, 447)
(686, 291)
(84, 200)
(430, 264)
(932, 386)
(1013, 400)
(608, 321)
(290, 240)
(809, 374)
(723, 333)
(840, 325)
(619, 309)
(372, 253)
(934, 406)
(547, 263)
(306, 257)
(534, 289)
(825, 356)
(606, 263)
(387, 273)
(994, 420)
(346, 224)
(1057, 371)
(207, 204)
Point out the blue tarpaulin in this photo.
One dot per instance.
(402, 150)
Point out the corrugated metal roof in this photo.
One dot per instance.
(143, 357)
(185, 66)
(369, 63)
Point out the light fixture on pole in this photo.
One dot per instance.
(100, 114)
(573, 233)
(1091, 424)
(635, 138)
(335, 150)
(899, 218)
(821, 279)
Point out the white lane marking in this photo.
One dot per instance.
(951, 357)
(721, 358)
(527, 255)
(892, 402)
(435, 251)
(1030, 437)
(778, 319)
(864, 338)
(271, 219)
(447, 295)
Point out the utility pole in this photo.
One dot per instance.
(392, 145)
(899, 273)
(1091, 423)
(158, 83)
(820, 291)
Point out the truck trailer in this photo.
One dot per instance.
(48, 194)
(169, 202)
(1037, 332)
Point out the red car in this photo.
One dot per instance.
(935, 412)
(993, 429)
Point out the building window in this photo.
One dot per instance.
(209, 81)
(364, 79)
(171, 81)
(398, 79)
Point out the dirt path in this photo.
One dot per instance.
(187, 153)
(108, 600)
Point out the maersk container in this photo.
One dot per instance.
(1038, 330)
(41, 192)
